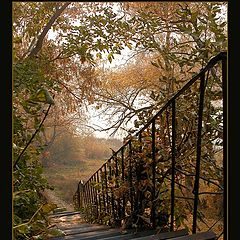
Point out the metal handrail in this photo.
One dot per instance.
(120, 165)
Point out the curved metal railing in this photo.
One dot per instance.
(161, 174)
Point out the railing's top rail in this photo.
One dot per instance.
(213, 61)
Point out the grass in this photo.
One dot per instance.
(64, 178)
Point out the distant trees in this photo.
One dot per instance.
(69, 148)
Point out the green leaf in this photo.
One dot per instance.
(99, 55)
(201, 28)
(110, 57)
(194, 16)
(47, 208)
(43, 96)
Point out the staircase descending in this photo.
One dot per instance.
(144, 191)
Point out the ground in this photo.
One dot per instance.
(53, 198)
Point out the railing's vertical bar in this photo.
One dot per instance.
(117, 185)
(112, 197)
(130, 174)
(90, 191)
(198, 159)
(99, 195)
(103, 195)
(78, 196)
(173, 164)
(92, 195)
(83, 195)
(225, 137)
(123, 200)
(96, 197)
(87, 195)
(153, 212)
(109, 187)
(106, 186)
(138, 194)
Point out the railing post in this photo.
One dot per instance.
(198, 159)
(103, 195)
(225, 135)
(153, 213)
(106, 185)
(99, 197)
(139, 168)
(96, 197)
(91, 193)
(130, 175)
(78, 196)
(117, 185)
(112, 196)
(173, 163)
(88, 193)
(123, 200)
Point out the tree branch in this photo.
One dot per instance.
(35, 133)
(41, 37)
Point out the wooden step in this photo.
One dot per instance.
(198, 236)
(131, 235)
(62, 214)
(165, 235)
(92, 235)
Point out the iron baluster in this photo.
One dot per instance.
(153, 213)
(78, 196)
(99, 195)
(117, 185)
(130, 175)
(198, 159)
(112, 197)
(173, 163)
(103, 194)
(225, 135)
(106, 186)
(91, 192)
(96, 196)
(123, 200)
(138, 164)
(86, 193)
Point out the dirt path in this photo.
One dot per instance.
(52, 197)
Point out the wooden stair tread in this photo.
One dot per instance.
(92, 235)
(75, 230)
(131, 235)
(198, 236)
(62, 214)
(165, 235)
